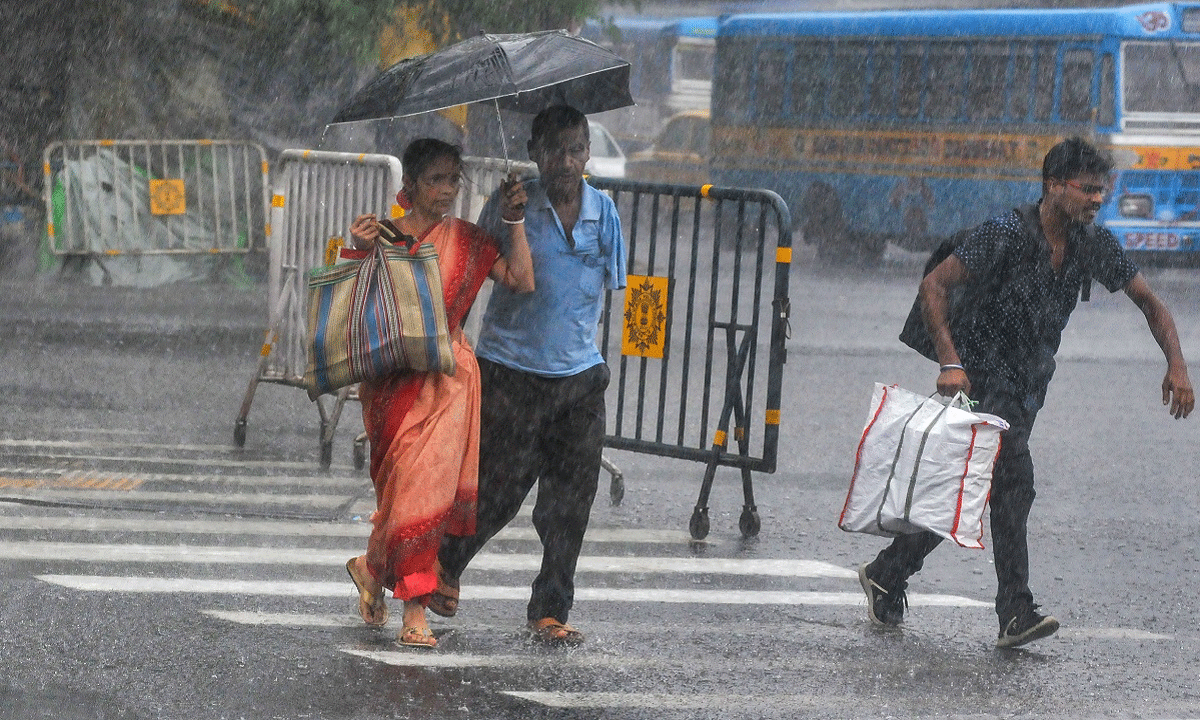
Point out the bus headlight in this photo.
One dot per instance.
(1136, 206)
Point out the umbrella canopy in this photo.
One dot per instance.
(525, 72)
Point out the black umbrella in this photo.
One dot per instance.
(525, 72)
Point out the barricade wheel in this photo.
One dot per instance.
(698, 526)
(326, 454)
(239, 433)
(360, 455)
(616, 490)
(749, 523)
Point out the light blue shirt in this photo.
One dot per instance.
(552, 330)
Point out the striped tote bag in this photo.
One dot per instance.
(370, 317)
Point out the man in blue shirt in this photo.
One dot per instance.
(542, 413)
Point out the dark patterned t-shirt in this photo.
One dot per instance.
(1008, 336)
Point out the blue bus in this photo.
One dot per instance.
(906, 126)
(671, 67)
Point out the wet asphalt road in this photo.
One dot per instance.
(151, 570)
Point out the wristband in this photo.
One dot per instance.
(506, 221)
(953, 367)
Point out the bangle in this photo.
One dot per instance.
(953, 367)
(506, 221)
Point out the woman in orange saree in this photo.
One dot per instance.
(424, 427)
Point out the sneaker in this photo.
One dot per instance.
(884, 607)
(1026, 626)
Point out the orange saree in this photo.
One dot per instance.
(424, 433)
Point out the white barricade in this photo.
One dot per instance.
(109, 198)
(315, 197)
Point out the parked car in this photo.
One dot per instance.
(678, 155)
(607, 158)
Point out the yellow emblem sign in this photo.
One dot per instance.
(167, 197)
(645, 316)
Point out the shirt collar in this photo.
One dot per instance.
(589, 209)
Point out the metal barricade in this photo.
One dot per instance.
(702, 308)
(107, 198)
(315, 197)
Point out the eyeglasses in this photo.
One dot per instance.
(1088, 189)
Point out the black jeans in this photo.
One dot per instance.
(1010, 502)
(544, 430)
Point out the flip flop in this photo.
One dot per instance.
(417, 637)
(372, 608)
(444, 600)
(551, 632)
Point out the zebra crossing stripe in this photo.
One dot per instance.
(688, 702)
(457, 660)
(196, 554)
(191, 498)
(300, 588)
(279, 528)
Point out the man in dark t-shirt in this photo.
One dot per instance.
(1000, 351)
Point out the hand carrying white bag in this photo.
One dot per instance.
(922, 465)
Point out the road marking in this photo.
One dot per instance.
(38, 443)
(1077, 633)
(406, 657)
(110, 481)
(206, 554)
(691, 701)
(189, 498)
(133, 584)
(47, 457)
(279, 528)
(285, 619)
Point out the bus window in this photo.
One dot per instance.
(881, 98)
(1161, 77)
(1108, 85)
(989, 71)
(1021, 92)
(808, 80)
(947, 65)
(732, 73)
(846, 90)
(1076, 103)
(768, 90)
(1043, 84)
(911, 81)
(693, 62)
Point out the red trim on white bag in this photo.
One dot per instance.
(858, 454)
(962, 489)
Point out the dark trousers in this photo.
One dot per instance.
(1010, 502)
(544, 430)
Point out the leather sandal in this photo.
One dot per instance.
(370, 605)
(551, 632)
(421, 637)
(444, 599)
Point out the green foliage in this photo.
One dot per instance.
(354, 24)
